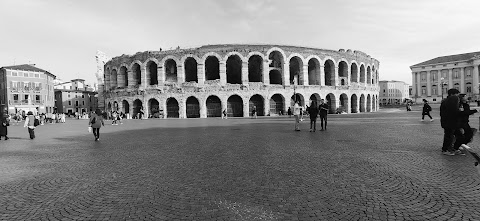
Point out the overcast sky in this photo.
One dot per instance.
(62, 36)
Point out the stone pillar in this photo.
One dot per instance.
(439, 83)
(322, 75)
(246, 110)
(335, 77)
(286, 74)
(224, 103)
(266, 106)
(180, 74)
(305, 74)
(429, 85)
(349, 77)
(146, 108)
(163, 104)
(200, 73)
(160, 75)
(143, 69)
(414, 82)
(182, 108)
(450, 78)
(223, 73)
(245, 79)
(475, 78)
(266, 73)
(419, 85)
(462, 80)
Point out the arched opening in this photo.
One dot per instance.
(332, 103)
(171, 71)
(313, 72)
(235, 106)
(257, 102)
(353, 104)
(276, 104)
(137, 108)
(275, 77)
(362, 103)
(154, 108)
(296, 71)
(297, 98)
(113, 79)
(126, 107)
(369, 103)
(152, 69)
(343, 104)
(276, 67)
(369, 75)
(123, 76)
(214, 106)
(234, 70)
(354, 73)
(137, 74)
(255, 68)
(362, 74)
(193, 107)
(191, 70)
(343, 69)
(315, 97)
(172, 108)
(329, 69)
(212, 68)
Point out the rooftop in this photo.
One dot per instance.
(450, 58)
(27, 67)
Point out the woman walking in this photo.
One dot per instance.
(96, 122)
(426, 110)
(313, 112)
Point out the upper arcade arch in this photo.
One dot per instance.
(354, 72)
(123, 76)
(295, 64)
(329, 70)
(234, 69)
(255, 68)
(190, 67)
(314, 70)
(152, 72)
(362, 73)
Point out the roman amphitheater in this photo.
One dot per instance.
(201, 82)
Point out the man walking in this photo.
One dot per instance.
(323, 114)
(464, 133)
(296, 114)
(30, 123)
(426, 110)
(449, 120)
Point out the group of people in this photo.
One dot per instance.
(314, 110)
(454, 119)
(31, 122)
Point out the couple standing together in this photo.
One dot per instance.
(313, 111)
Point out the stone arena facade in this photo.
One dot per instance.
(201, 82)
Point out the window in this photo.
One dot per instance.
(423, 76)
(15, 97)
(83, 96)
(468, 72)
(68, 95)
(434, 90)
(83, 102)
(31, 75)
(37, 97)
(455, 74)
(70, 103)
(37, 75)
(76, 103)
(25, 74)
(424, 91)
(25, 97)
(469, 89)
(14, 74)
(434, 76)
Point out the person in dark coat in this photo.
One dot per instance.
(4, 123)
(313, 112)
(96, 122)
(465, 133)
(449, 120)
(426, 110)
(323, 107)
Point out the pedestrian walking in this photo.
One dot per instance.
(224, 114)
(426, 110)
(289, 112)
(409, 106)
(323, 108)
(449, 120)
(464, 134)
(31, 123)
(4, 123)
(96, 122)
(313, 112)
(114, 118)
(296, 114)
(254, 112)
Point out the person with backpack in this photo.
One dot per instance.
(426, 110)
(31, 122)
(96, 122)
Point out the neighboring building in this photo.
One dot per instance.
(201, 82)
(75, 96)
(431, 79)
(27, 88)
(393, 92)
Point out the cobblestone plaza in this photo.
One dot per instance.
(384, 165)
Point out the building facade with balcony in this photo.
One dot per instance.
(75, 97)
(27, 88)
(431, 79)
(393, 92)
(203, 81)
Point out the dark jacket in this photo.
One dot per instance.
(449, 112)
(3, 126)
(96, 121)
(323, 109)
(465, 114)
(313, 112)
(426, 108)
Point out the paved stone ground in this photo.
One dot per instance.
(368, 166)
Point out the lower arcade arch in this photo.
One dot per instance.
(332, 103)
(214, 106)
(315, 97)
(235, 106)
(369, 103)
(126, 107)
(362, 103)
(276, 104)
(137, 109)
(257, 102)
(193, 107)
(172, 108)
(354, 104)
(153, 108)
(343, 103)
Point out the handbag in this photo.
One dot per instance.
(89, 129)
